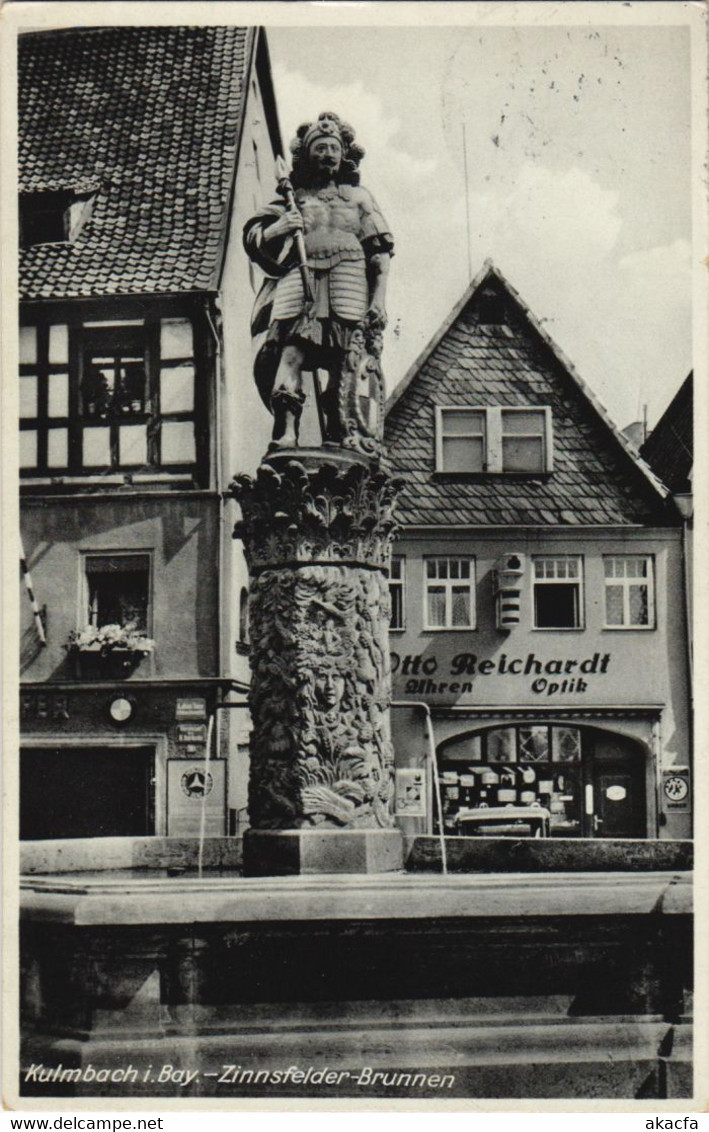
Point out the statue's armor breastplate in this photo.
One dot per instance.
(332, 223)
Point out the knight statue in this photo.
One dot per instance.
(325, 249)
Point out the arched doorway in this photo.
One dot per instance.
(592, 782)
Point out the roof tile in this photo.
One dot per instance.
(139, 112)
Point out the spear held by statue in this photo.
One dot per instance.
(285, 189)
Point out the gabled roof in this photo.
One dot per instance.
(597, 477)
(669, 449)
(150, 117)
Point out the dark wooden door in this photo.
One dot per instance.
(619, 809)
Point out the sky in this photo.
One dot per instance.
(576, 142)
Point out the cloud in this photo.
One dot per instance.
(670, 261)
(548, 218)
(397, 169)
(565, 213)
(552, 234)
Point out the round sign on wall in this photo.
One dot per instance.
(676, 788)
(120, 709)
(195, 783)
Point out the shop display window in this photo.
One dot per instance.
(535, 766)
(534, 744)
(566, 744)
(502, 745)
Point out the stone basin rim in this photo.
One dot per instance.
(103, 883)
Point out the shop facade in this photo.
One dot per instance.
(538, 596)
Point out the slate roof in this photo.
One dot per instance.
(669, 449)
(596, 479)
(150, 117)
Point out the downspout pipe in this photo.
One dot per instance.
(218, 479)
(687, 610)
(688, 627)
(433, 763)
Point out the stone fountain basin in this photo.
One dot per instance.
(525, 985)
(125, 897)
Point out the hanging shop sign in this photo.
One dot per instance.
(191, 733)
(196, 797)
(191, 707)
(410, 793)
(557, 676)
(676, 792)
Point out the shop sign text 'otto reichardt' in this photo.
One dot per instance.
(551, 677)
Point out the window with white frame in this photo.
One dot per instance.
(524, 440)
(558, 591)
(117, 590)
(516, 441)
(461, 440)
(108, 396)
(449, 594)
(397, 580)
(630, 596)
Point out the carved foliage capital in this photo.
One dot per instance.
(293, 513)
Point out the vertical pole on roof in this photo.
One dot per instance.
(467, 200)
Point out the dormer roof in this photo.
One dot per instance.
(492, 352)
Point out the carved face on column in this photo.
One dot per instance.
(329, 689)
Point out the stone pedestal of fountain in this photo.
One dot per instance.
(317, 528)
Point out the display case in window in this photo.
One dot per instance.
(536, 766)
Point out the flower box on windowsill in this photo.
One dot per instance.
(93, 664)
(108, 653)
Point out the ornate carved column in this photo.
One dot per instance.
(317, 527)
